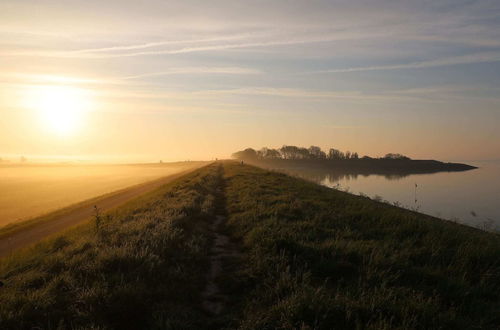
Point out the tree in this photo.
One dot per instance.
(335, 154)
(316, 153)
(396, 156)
(290, 152)
(294, 152)
(261, 154)
(273, 154)
(248, 153)
(266, 153)
(303, 153)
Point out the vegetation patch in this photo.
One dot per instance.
(232, 246)
(318, 258)
(141, 267)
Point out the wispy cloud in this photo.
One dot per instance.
(307, 94)
(110, 52)
(19, 78)
(198, 70)
(291, 93)
(430, 94)
(29, 80)
(156, 44)
(47, 78)
(483, 57)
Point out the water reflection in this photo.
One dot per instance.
(333, 175)
(470, 197)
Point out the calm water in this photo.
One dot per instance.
(470, 197)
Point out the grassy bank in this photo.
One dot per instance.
(142, 267)
(9, 229)
(317, 258)
(299, 256)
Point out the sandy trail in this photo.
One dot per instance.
(79, 214)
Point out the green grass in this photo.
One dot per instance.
(310, 258)
(318, 258)
(144, 268)
(14, 227)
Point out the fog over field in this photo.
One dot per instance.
(37, 189)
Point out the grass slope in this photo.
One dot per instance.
(307, 257)
(12, 228)
(143, 268)
(318, 258)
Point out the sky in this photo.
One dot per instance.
(176, 80)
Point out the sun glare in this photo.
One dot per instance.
(61, 108)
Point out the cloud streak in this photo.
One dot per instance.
(109, 52)
(485, 57)
(155, 44)
(197, 70)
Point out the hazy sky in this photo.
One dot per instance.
(201, 79)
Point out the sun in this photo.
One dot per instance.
(60, 108)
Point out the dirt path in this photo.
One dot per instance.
(213, 297)
(78, 214)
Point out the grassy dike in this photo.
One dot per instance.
(317, 258)
(143, 268)
(299, 256)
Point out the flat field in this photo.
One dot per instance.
(28, 191)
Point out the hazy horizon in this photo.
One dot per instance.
(190, 80)
(9, 159)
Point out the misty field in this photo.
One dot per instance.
(31, 190)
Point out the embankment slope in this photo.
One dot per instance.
(22, 234)
(302, 257)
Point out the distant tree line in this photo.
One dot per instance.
(313, 152)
